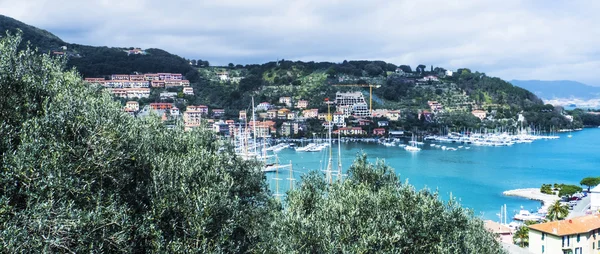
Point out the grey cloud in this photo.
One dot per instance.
(512, 39)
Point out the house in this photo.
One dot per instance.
(302, 104)
(382, 123)
(349, 99)
(310, 113)
(221, 128)
(58, 53)
(132, 92)
(223, 76)
(243, 114)
(434, 106)
(576, 235)
(184, 82)
(289, 129)
(132, 106)
(94, 80)
(379, 131)
(429, 78)
(271, 114)
(322, 116)
(282, 113)
(164, 76)
(264, 106)
(151, 76)
(176, 76)
(137, 78)
(119, 77)
(218, 112)
(188, 91)
(569, 118)
(292, 115)
(504, 233)
(172, 83)
(161, 106)
(479, 114)
(346, 110)
(339, 119)
(200, 108)
(379, 113)
(157, 83)
(174, 111)
(449, 73)
(426, 115)
(167, 95)
(393, 115)
(364, 122)
(351, 131)
(287, 101)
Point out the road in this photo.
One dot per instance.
(580, 208)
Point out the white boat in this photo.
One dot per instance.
(525, 215)
(412, 148)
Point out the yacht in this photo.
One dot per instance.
(525, 215)
(412, 148)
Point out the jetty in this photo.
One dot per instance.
(534, 194)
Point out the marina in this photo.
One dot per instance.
(476, 175)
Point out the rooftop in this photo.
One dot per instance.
(496, 228)
(572, 226)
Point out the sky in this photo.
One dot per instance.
(511, 39)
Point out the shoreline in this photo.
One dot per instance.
(534, 194)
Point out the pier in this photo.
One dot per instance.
(534, 194)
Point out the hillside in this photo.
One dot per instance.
(98, 61)
(559, 89)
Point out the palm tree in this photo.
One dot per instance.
(557, 211)
(521, 237)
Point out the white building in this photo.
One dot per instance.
(449, 73)
(595, 199)
(576, 235)
(360, 110)
(349, 99)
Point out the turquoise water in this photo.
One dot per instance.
(478, 176)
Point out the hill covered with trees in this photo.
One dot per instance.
(104, 181)
(99, 61)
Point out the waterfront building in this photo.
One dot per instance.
(379, 131)
(576, 235)
(289, 129)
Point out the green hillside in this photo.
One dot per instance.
(98, 61)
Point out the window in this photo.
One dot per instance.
(542, 248)
(578, 237)
(563, 241)
(543, 234)
(593, 245)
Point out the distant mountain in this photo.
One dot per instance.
(559, 89)
(93, 61)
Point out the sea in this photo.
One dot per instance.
(476, 176)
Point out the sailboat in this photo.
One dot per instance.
(412, 145)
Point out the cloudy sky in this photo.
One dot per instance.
(512, 39)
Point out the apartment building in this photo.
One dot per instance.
(577, 235)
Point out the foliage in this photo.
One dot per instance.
(557, 211)
(372, 212)
(521, 236)
(569, 190)
(547, 189)
(101, 180)
(590, 182)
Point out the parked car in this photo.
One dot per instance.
(572, 202)
(574, 198)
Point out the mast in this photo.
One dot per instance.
(253, 126)
(330, 162)
(339, 176)
(291, 178)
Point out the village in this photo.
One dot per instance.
(349, 113)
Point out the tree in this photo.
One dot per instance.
(373, 212)
(420, 69)
(569, 190)
(590, 182)
(521, 236)
(193, 62)
(557, 211)
(405, 68)
(231, 65)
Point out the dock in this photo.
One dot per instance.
(534, 194)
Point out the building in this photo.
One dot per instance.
(349, 99)
(310, 113)
(168, 95)
(426, 115)
(218, 112)
(243, 114)
(576, 235)
(302, 104)
(449, 73)
(188, 91)
(504, 233)
(595, 199)
(364, 122)
(569, 118)
(119, 77)
(379, 113)
(339, 119)
(271, 114)
(287, 101)
(174, 112)
(282, 113)
(200, 108)
(223, 76)
(379, 131)
(264, 106)
(289, 129)
(322, 116)
(221, 128)
(479, 114)
(94, 80)
(132, 106)
(161, 106)
(151, 76)
(434, 106)
(131, 92)
(382, 123)
(360, 110)
(393, 115)
(351, 131)
(292, 115)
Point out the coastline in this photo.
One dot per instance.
(534, 194)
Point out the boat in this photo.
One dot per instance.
(525, 215)
(412, 145)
